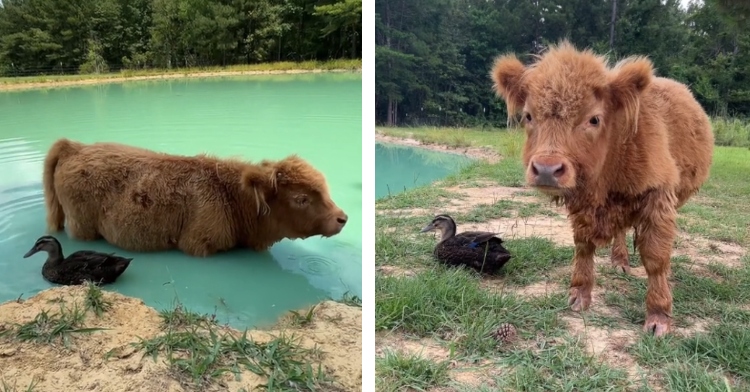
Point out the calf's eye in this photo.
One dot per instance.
(528, 117)
(302, 200)
(594, 120)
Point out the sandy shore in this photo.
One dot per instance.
(119, 79)
(107, 361)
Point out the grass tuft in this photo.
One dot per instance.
(95, 301)
(52, 328)
(398, 372)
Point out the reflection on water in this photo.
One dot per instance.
(250, 117)
(399, 168)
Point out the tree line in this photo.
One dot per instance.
(70, 36)
(433, 56)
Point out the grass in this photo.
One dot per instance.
(397, 372)
(457, 309)
(6, 387)
(95, 301)
(199, 352)
(52, 328)
(343, 64)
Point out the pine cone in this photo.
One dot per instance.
(505, 333)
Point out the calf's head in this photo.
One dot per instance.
(295, 196)
(575, 111)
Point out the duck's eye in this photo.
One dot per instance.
(594, 120)
(528, 117)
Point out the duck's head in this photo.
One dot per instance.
(442, 223)
(45, 243)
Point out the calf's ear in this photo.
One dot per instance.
(628, 79)
(261, 182)
(507, 76)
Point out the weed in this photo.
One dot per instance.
(178, 317)
(46, 328)
(351, 300)
(303, 320)
(94, 299)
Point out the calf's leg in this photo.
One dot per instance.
(583, 276)
(656, 233)
(619, 256)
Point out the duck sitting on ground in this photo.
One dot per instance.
(480, 250)
(84, 265)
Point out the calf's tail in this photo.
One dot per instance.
(55, 214)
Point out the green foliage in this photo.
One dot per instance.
(88, 36)
(433, 57)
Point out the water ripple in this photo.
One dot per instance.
(316, 265)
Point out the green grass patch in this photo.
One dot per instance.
(342, 64)
(694, 295)
(534, 258)
(450, 303)
(52, 328)
(421, 197)
(561, 367)
(485, 212)
(198, 351)
(397, 372)
(701, 361)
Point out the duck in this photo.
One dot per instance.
(79, 267)
(468, 248)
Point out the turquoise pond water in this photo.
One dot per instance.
(317, 116)
(398, 168)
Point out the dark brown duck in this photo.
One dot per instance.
(83, 265)
(483, 251)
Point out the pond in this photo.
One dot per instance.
(398, 168)
(317, 116)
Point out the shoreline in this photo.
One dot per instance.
(333, 327)
(165, 76)
(480, 153)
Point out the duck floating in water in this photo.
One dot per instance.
(78, 267)
(480, 250)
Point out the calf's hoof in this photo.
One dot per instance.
(658, 323)
(621, 264)
(580, 298)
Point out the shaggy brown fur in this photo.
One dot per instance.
(620, 148)
(142, 200)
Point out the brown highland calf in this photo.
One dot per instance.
(620, 148)
(142, 200)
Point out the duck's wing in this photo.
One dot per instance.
(91, 260)
(473, 239)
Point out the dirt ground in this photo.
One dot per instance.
(84, 366)
(84, 82)
(607, 344)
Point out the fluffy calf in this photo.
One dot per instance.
(142, 200)
(620, 148)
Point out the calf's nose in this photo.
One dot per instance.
(342, 219)
(547, 174)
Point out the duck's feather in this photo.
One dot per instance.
(84, 265)
(482, 251)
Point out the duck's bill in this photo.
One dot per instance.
(426, 229)
(31, 252)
